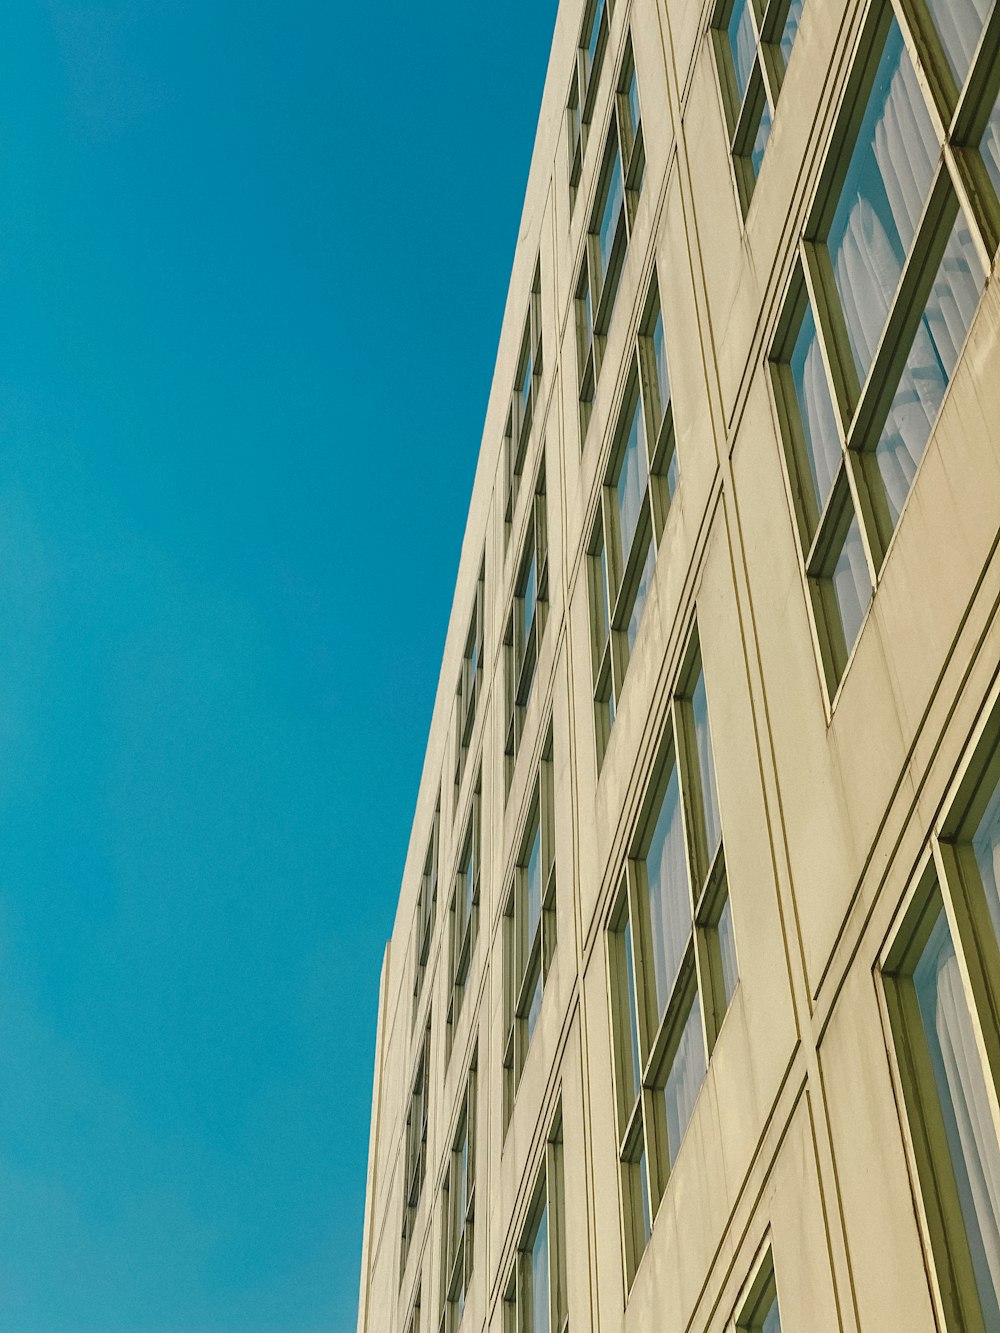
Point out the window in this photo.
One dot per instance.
(470, 677)
(414, 1325)
(942, 978)
(415, 1159)
(535, 1297)
(760, 1309)
(464, 913)
(527, 383)
(583, 86)
(426, 903)
(619, 185)
(641, 479)
(525, 625)
(753, 44)
(672, 959)
(888, 281)
(459, 1209)
(529, 929)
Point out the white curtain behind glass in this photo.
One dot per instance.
(986, 845)
(959, 23)
(930, 365)
(669, 898)
(687, 1073)
(965, 1107)
(883, 198)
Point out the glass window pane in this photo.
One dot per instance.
(684, 1081)
(989, 146)
(611, 215)
(604, 615)
(960, 24)
(986, 846)
(630, 486)
(535, 1005)
(647, 1212)
(595, 31)
(788, 32)
(727, 952)
(929, 367)
(706, 767)
(633, 1022)
(965, 1108)
(669, 896)
(530, 594)
(761, 137)
(887, 183)
(816, 412)
(851, 584)
(771, 1323)
(533, 877)
(538, 1302)
(634, 109)
(641, 593)
(742, 45)
(525, 391)
(660, 363)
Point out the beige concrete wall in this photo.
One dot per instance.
(796, 1139)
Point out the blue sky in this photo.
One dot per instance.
(253, 260)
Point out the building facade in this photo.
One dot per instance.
(690, 1018)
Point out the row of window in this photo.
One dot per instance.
(535, 1294)
(891, 267)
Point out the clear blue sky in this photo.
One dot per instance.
(253, 259)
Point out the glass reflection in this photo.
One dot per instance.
(851, 584)
(742, 45)
(888, 179)
(538, 1320)
(986, 848)
(641, 594)
(631, 484)
(816, 412)
(965, 1108)
(706, 768)
(789, 31)
(611, 215)
(669, 897)
(727, 952)
(761, 137)
(989, 146)
(660, 363)
(929, 367)
(960, 24)
(687, 1073)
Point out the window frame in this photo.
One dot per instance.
(547, 1200)
(426, 908)
(615, 577)
(946, 884)
(744, 115)
(523, 408)
(415, 1144)
(522, 643)
(861, 409)
(596, 290)
(464, 930)
(526, 963)
(470, 677)
(458, 1232)
(640, 1029)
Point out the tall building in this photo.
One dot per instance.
(690, 1018)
